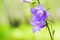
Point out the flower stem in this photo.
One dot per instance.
(49, 31)
(38, 1)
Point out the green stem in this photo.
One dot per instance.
(38, 1)
(49, 31)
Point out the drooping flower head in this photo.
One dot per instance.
(39, 15)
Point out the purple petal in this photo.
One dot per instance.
(33, 10)
(36, 29)
(29, 1)
(36, 22)
(40, 6)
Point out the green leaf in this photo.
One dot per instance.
(53, 32)
(47, 8)
(34, 4)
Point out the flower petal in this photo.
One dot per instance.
(29, 1)
(33, 10)
(40, 6)
(36, 29)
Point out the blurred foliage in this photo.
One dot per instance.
(19, 11)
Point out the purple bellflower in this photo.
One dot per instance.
(39, 16)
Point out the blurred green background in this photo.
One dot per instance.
(15, 16)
